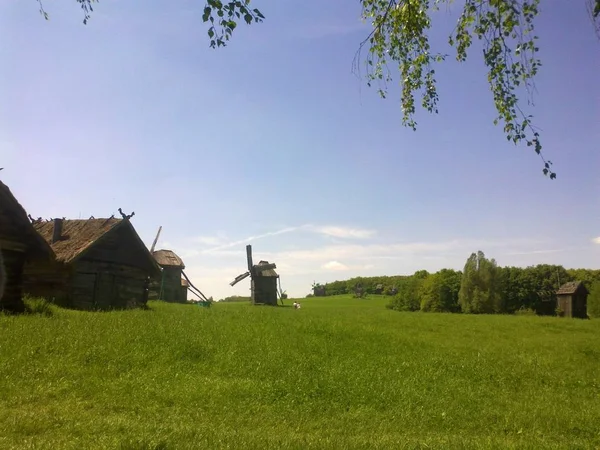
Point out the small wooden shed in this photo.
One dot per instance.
(264, 286)
(19, 242)
(571, 299)
(100, 264)
(170, 287)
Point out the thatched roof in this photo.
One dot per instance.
(15, 224)
(79, 235)
(268, 272)
(168, 258)
(570, 288)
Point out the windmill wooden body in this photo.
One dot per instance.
(263, 280)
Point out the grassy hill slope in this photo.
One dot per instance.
(339, 373)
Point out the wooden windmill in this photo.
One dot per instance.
(174, 284)
(263, 280)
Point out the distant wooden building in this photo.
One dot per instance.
(571, 299)
(169, 288)
(184, 289)
(19, 243)
(263, 280)
(319, 290)
(100, 264)
(264, 286)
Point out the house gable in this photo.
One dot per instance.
(16, 230)
(121, 245)
(107, 240)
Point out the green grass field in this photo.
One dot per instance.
(340, 373)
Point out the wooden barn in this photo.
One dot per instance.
(264, 285)
(169, 288)
(19, 242)
(99, 264)
(571, 299)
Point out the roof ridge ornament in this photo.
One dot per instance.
(126, 216)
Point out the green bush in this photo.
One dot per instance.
(409, 293)
(39, 306)
(523, 311)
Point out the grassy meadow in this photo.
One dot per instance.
(340, 373)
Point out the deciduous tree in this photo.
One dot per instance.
(439, 292)
(479, 288)
(409, 292)
(593, 306)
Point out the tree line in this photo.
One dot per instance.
(482, 287)
(235, 298)
(386, 285)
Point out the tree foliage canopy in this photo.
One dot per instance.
(399, 42)
(479, 292)
(484, 287)
(439, 291)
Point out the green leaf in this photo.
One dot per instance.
(206, 14)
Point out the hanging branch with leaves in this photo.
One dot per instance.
(227, 14)
(399, 42)
(505, 27)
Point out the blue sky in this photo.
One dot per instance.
(273, 141)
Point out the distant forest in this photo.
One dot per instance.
(235, 298)
(481, 287)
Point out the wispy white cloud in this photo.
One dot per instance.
(391, 251)
(348, 250)
(298, 267)
(539, 252)
(207, 240)
(219, 243)
(219, 239)
(596, 240)
(250, 239)
(334, 265)
(371, 251)
(343, 232)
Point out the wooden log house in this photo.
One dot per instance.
(100, 264)
(19, 242)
